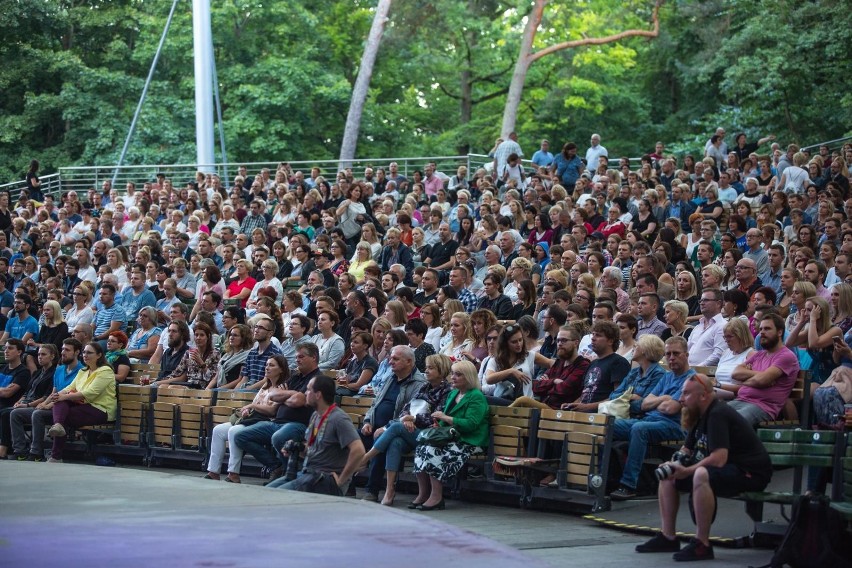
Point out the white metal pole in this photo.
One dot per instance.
(203, 45)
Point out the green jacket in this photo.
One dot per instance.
(470, 417)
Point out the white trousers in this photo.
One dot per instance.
(221, 433)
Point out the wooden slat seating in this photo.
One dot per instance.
(231, 302)
(356, 407)
(133, 405)
(510, 433)
(139, 370)
(176, 417)
(586, 440)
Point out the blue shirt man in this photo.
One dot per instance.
(21, 324)
(542, 157)
(661, 421)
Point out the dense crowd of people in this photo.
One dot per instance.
(559, 284)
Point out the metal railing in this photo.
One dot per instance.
(828, 143)
(83, 178)
(50, 185)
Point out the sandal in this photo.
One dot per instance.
(233, 478)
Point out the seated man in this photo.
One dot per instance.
(767, 376)
(661, 421)
(291, 417)
(605, 373)
(333, 449)
(725, 458)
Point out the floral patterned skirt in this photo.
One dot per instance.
(443, 463)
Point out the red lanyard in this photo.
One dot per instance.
(316, 428)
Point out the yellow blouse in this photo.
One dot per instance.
(97, 388)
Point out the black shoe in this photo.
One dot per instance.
(414, 505)
(35, 458)
(659, 544)
(695, 550)
(19, 457)
(440, 506)
(623, 493)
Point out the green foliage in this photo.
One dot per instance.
(73, 71)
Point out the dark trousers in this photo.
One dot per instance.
(72, 415)
(5, 427)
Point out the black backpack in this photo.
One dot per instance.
(816, 537)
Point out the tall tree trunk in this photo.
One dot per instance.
(519, 77)
(362, 85)
(526, 57)
(465, 104)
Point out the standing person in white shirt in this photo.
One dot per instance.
(706, 343)
(594, 153)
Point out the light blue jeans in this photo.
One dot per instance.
(640, 433)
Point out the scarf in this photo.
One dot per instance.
(111, 356)
(227, 364)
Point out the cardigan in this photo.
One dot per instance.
(470, 417)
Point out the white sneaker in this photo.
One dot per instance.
(51, 460)
(56, 431)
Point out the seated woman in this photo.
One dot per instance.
(645, 374)
(116, 355)
(237, 346)
(53, 331)
(465, 410)
(400, 435)
(87, 401)
(199, 364)
(513, 366)
(740, 346)
(360, 369)
(331, 346)
(277, 372)
(143, 341)
(392, 338)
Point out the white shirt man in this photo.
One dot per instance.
(594, 153)
(706, 343)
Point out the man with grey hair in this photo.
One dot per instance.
(594, 153)
(397, 392)
(757, 253)
(612, 279)
(492, 258)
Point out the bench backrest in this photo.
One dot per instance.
(582, 436)
(510, 430)
(799, 447)
(356, 407)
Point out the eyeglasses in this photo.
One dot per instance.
(261, 328)
(708, 300)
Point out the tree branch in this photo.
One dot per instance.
(492, 77)
(448, 93)
(490, 96)
(655, 32)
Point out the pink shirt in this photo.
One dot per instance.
(432, 185)
(771, 399)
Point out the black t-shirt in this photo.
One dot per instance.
(723, 427)
(441, 253)
(421, 299)
(357, 366)
(602, 377)
(41, 385)
(285, 414)
(20, 376)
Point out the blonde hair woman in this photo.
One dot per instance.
(362, 259)
(740, 344)
(461, 336)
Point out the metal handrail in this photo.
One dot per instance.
(827, 143)
(50, 185)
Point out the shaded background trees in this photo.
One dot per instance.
(73, 71)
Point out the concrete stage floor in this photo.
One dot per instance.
(82, 515)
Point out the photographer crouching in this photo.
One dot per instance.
(334, 448)
(721, 456)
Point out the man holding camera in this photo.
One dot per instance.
(721, 456)
(333, 449)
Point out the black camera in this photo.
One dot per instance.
(665, 471)
(294, 449)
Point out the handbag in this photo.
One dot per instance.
(253, 417)
(438, 436)
(618, 407)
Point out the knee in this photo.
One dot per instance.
(700, 477)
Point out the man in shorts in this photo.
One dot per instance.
(726, 459)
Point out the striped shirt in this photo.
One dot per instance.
(106, 315)
(254, 369)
